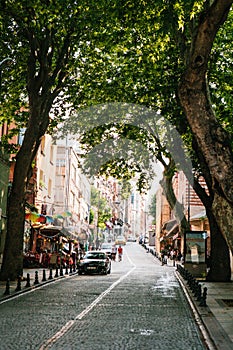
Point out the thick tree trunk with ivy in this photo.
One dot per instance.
(212, 140)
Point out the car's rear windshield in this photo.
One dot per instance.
(95, 256)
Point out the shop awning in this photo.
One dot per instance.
(173, 230)
(200, 215)
(170, 228)
(58, 231)
(176, 236)
(52, 231)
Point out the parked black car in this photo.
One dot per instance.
(95, 262)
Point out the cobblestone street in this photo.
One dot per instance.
(140, 305)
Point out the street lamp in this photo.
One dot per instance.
(189, 203)
(97, 224)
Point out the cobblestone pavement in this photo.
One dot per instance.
(140, 305)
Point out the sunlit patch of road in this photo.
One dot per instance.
(166, 286)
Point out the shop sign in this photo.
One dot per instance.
(195, 252)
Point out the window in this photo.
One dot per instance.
(42, 145)
(41, 179)
(60, 167)
(50, 188)
(73, 173)
(51, 154)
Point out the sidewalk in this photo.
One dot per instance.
(215, 320)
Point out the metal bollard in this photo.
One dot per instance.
(61, 270)
(192, 284)
(50, 274)
(36, 278)
(28, 284)
(199, 293)
(203, 298)
(56, 274)
(195, 288)
(44, 276)
(186, 274)
(18, 287)
(7, 290)
(188, 278)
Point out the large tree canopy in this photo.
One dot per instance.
(147, 68)
(141, 52)
(48, 41)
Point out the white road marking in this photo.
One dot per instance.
(70, 323)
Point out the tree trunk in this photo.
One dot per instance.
(223, 212)
(217, 153)
(220, 270)
(210, 137)
(12, 265)
(47, 70)
(174, 204)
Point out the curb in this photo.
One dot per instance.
(213, 334)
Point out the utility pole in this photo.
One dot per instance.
(97, 233)
(189, 203)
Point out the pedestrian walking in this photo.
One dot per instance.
(53, 260)
(120, 252)
(114, 252)
(163, 257)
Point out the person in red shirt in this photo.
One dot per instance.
(120, 252)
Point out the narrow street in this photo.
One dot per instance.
(140, 305)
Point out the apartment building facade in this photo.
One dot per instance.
(63, 196)
(167, 228)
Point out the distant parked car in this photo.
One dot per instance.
(95, 262)
(143, 240)
(107, 248)
(131, 239)
(31, 260)
(120, 240)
